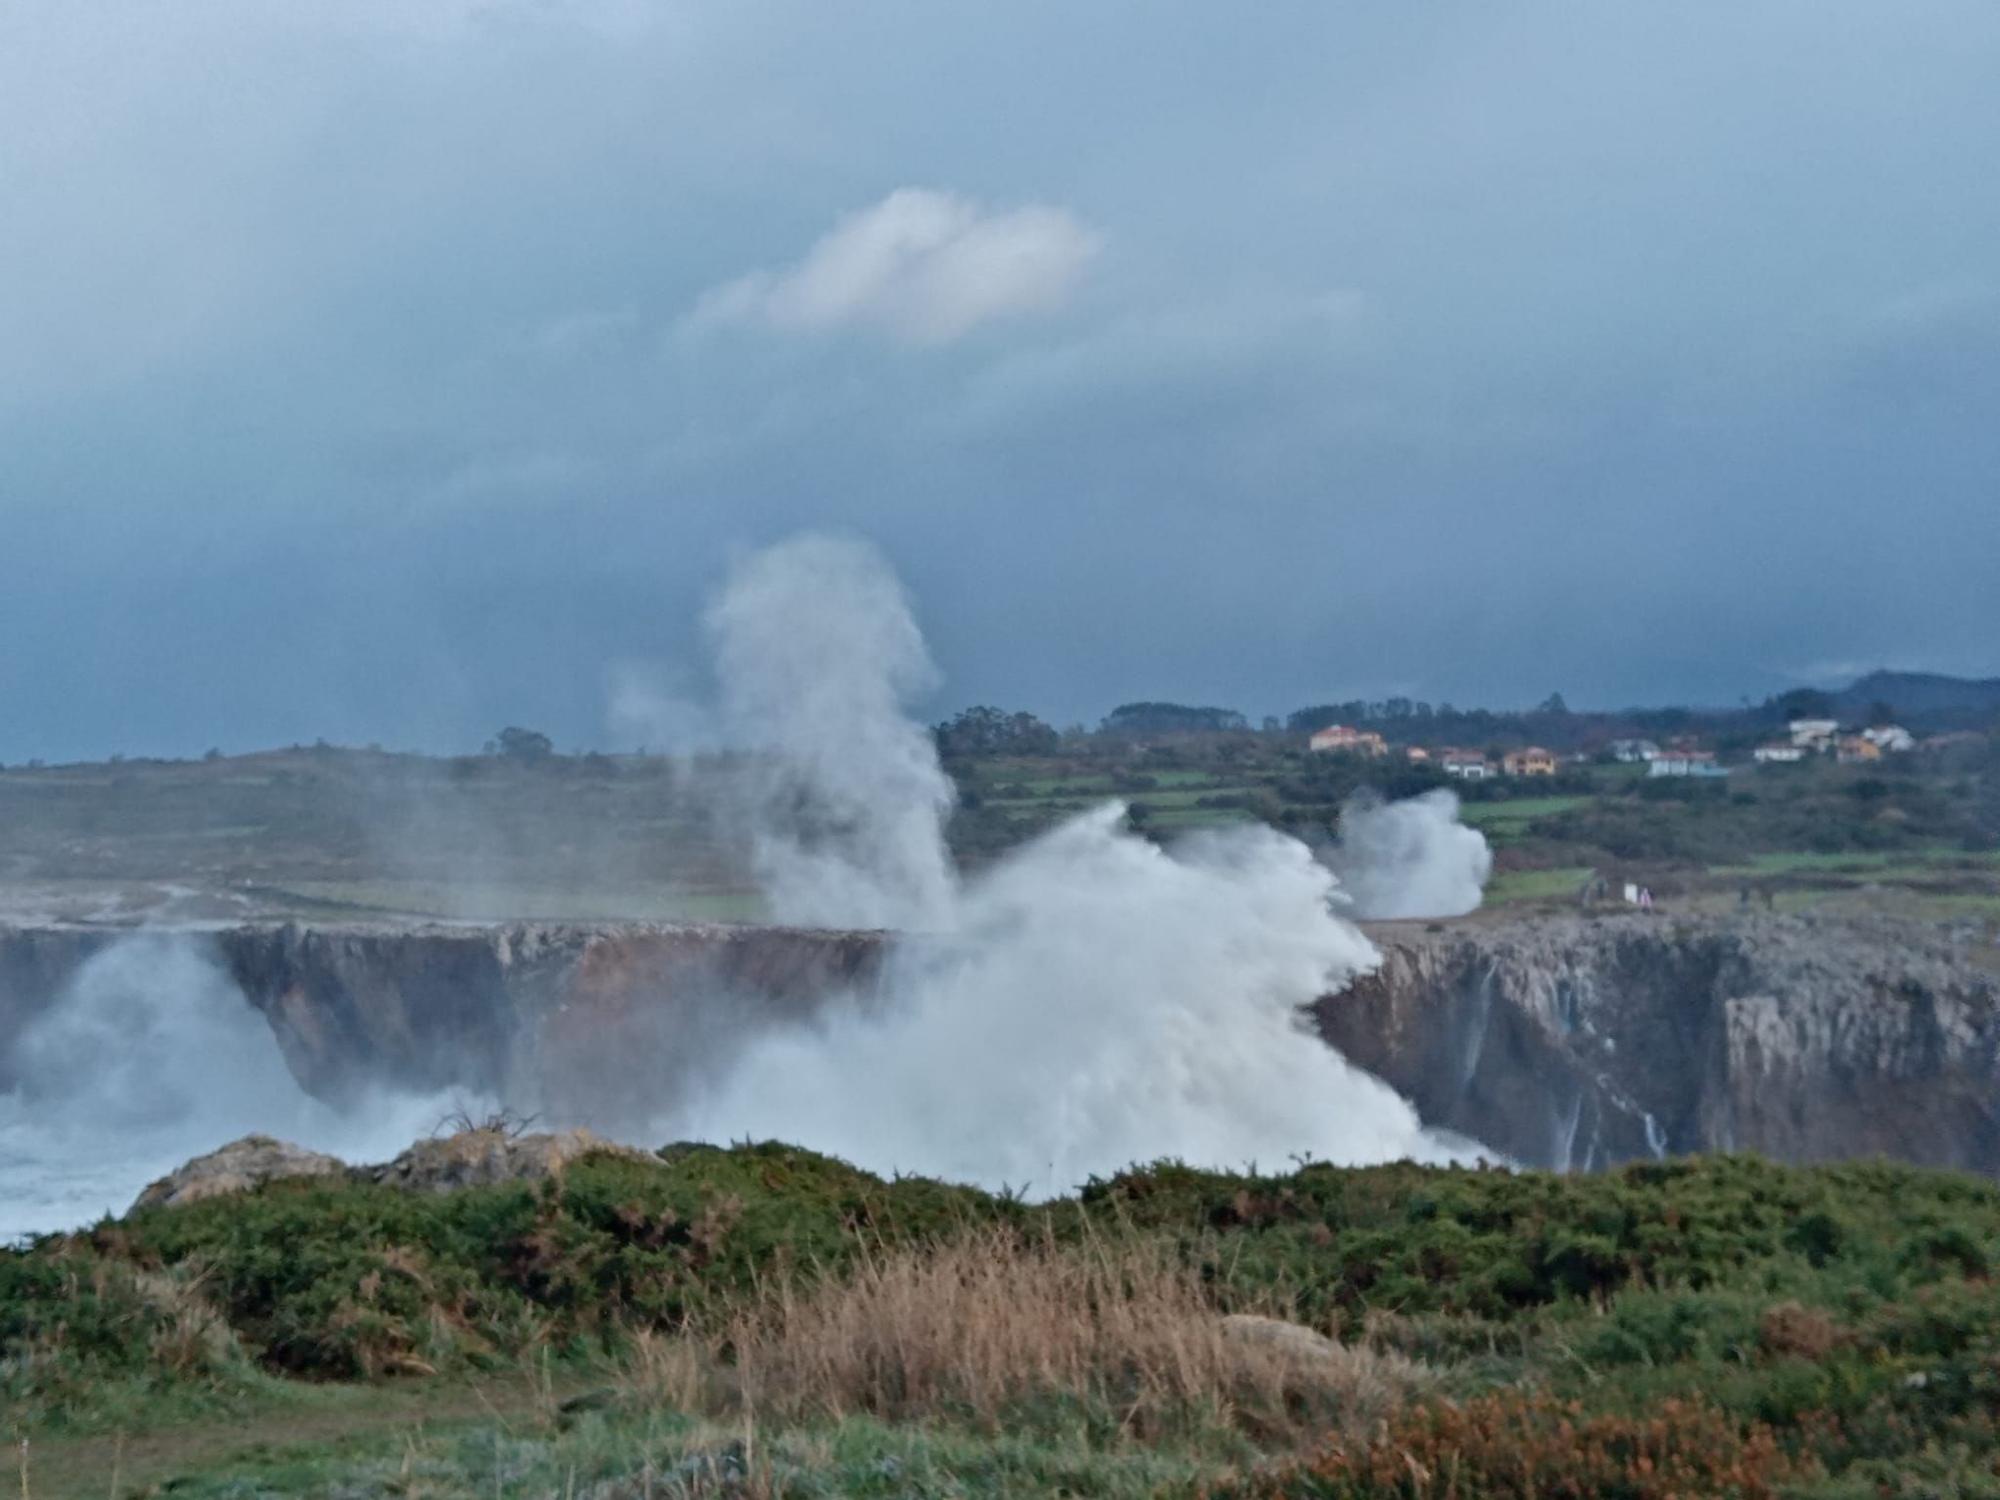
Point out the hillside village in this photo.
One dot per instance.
(1680, 756)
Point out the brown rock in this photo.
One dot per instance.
(237, 1167)
(477, 1158)
(1292, 1341)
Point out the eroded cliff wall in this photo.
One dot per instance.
(589, 1024)
(1576, 1042)
(1567, 1042)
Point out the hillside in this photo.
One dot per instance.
(325, 833)
(1921, 695)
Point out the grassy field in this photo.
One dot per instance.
(762, 1321)
(1915, 838)
(1885, 864)
(1521, 887)
(500, 902)
(319, 833)
(1516, 814)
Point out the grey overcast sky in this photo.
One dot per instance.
(396, 369)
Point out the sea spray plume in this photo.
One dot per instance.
(151, 1055)
(1411, 858)
(817, 651)
(1091, 1001)
(148, 1034)
(1098, 1002)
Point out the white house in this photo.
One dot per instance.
(1891, 737)
(1686, 763)
(1780, 753)
(1631, 752)
(1466, 765)
(1814, 734)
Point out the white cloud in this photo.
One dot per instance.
(927, 266)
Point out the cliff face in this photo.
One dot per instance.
(585, 1024)
(1574, 1042)
(1565, 1041)
(590, 1024)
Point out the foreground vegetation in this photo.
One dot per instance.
(763, 1320)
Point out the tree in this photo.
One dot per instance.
(513, 743)
(1804, 703)
(993, 731)
(1320, 715)
(1172, 718)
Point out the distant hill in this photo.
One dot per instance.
(1920, 695)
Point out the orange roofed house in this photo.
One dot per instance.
(1339, 737)
(1533, 761)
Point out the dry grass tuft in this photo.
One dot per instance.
(1518, 1445)
(982, 1327)
(1791, 1331)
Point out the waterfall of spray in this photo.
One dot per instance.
(148, 1057)
(1089, 1002)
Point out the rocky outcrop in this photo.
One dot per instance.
(1284, 1341)
(476, 1157)
(237, 1167)
(1575, 1042)
(482, 1157)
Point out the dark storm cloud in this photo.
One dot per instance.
(391, 371)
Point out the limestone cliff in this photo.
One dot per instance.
(590, 1024)
(1560, 1041)
(583, 1024)
(1574, 1042)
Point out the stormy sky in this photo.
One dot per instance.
(397, 369)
